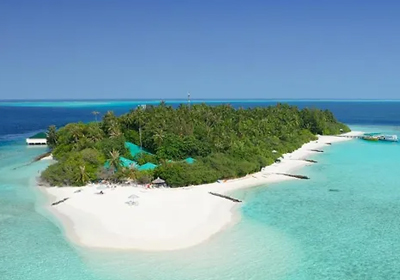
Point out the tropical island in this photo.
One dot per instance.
(185, 146)
(203, 152)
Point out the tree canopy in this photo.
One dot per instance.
(225, 142)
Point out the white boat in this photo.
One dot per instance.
(390, 138)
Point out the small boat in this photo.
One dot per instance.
(371, 138)
(389, 138)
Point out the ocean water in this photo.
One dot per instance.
(293, 230)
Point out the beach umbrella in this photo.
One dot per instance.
(133, 196)
(101, 187)
(158, 181)
(131, 202)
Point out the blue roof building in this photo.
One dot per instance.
(147, 166)
(135, 149)
(190, 160)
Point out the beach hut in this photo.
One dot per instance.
(190, 160)
(158, 182)
(147, 166)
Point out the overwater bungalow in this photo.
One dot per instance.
(37, 139)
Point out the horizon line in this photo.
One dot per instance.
(196, 99)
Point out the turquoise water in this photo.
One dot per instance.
(32, 247)
(292, 230)
(351, 233)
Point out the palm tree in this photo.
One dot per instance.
(94, 132)
(95, 113)
(158, 137)
(114, 132)
(114, 159)
(140, 116)
(83, 177)
(130, 119)
(52, 136)
(109, 121)
(74, 131)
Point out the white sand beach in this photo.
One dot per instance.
(165, 218)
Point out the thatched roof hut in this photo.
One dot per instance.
(158, 181)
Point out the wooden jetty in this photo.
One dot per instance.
(294, 176)
(60, 201)
(39, 157)
(310, 160)
(373, 137)
(225, 196)
(352, 136)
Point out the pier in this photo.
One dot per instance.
(318, 151)
(310, 160)
(294, 176)
(373, 137)
(352, 136)
(39, 157)
(225, 196)
(60, 201)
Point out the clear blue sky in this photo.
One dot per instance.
(216, 49)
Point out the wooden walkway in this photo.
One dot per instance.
(225, 196)
(60, 201)
(294, 176)
(352, 136)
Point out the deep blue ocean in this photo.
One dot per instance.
(294, 230)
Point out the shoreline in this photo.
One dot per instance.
(164, 219)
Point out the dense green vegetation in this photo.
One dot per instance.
(225, 142)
